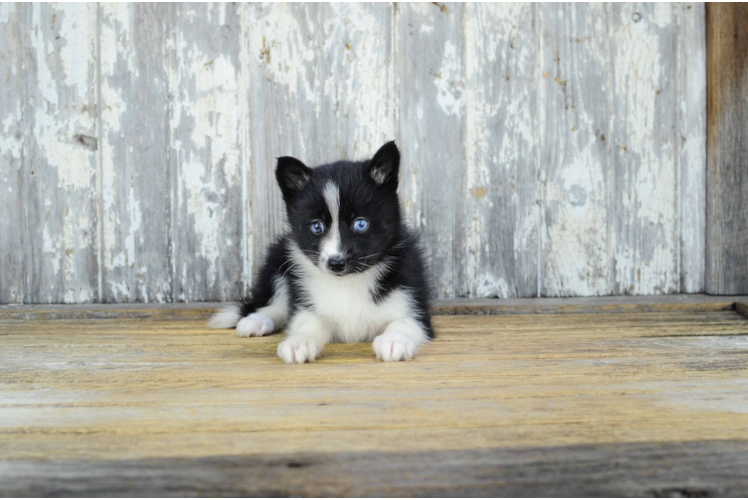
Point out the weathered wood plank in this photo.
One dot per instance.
(565, 400)
(206, 153)
(727, 138)
(12, 132)
(692, 119)
(644, 185)
(574, 305)
(355, 79)
(501, 210)
(136, 180)
(742, 308)
(430, 88)
(60, 120)
(693, 469)
(575, 157)
(309, 67)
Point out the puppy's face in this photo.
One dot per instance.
(345, 215)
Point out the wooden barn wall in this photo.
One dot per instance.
(547, 149)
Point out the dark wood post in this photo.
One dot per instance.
(727, 148)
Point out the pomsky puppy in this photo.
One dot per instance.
(348, 269)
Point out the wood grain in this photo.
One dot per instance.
(576, 89)
(502, 198)
(136, 182)
(59, 153)
(690, 469)
(81, 398)
(206, 154)
(144, 167)
(742, 308)
(12, 133)
(644, 184)
(430, 85)
(727, 139)
(440, 307)
(692, 119)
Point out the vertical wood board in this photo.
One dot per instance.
(502, 196)
(60, 122)
(692, 108)
(575, 159)
(644, 174)
(136, 186)
(12, 137)
(727, 148)
(205, 155)
(430, 86)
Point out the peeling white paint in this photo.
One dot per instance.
(648, 264)
(136, 217)
(502, 221)
(489, 286)
(11, 140)
(279, 44)
(60, 113)
(206, 125)
(449, 81)
(619, 215)
(51, 249)
(7, 10)
(78, 29)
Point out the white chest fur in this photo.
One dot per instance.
(345, 303)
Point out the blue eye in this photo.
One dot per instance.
(318, 227)
(360, 225)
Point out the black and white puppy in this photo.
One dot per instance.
(347, 270)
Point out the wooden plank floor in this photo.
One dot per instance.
(547, 404)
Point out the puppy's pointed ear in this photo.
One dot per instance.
(385, 166)
(292, 175)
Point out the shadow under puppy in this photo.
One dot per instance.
(348, 269)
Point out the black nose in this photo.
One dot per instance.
(336, 264)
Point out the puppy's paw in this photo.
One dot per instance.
(255, 325)
(298, 349)
(393, 346)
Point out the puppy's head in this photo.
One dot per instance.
(344, 216)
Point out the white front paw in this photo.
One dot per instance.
(391, 346)
(298, 349)
(255, 325)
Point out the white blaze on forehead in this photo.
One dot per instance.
(330, 246)
(332, 198)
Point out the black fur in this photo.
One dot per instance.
(368, 189)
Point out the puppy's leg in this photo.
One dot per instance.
(307, 335)
(400, 340)
(267, 309)
(270, 318)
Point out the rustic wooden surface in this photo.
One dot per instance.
(12, 173)
(60, 120)
(548, 150)
(206, 156)
(727, 165)
(692, 82)
(627, 403)
(503, 198)
(136, 238)
(430, 86)
(439, 307)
